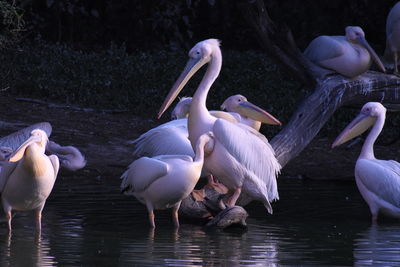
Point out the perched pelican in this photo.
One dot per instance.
(393, 35)
(240, 158)
(163, 181)
(377, 180)
(348, 55)
(27, 180)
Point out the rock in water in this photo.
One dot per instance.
(229, 216)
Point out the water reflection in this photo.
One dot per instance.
(378, 245)
(93, 225)
(23, 248)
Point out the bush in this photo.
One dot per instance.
(140, 81)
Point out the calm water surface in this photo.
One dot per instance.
(90, 224)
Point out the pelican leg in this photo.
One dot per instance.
(234, 196)
(396, 71)
(150, 209)
(175, 214)
(8, 218)
(38, 219)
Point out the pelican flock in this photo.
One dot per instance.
(240, 159)
(377, 180)
(348, 55)
(227, 144)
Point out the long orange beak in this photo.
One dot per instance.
(358, 126)
(256, 113)
(193, 65)
(371, 51)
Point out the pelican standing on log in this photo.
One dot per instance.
(377, 180)
(28, 179)
(241, 160)
(348, 55)
(163, 181)
(393, 36)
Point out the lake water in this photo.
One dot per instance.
(89, 223)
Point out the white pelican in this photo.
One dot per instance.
(27, 180)
(181, 110)
(377, 180)
(163, 181)
(240, 159)
(70, 157)
(393, 36)
(348, 55)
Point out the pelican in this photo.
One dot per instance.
(27, 180)
(393, 35)
(348, 55)
(377, 180)
(70, 157)
(240, 159)
(163, 181)
(171, 138)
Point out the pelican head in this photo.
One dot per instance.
(181, 109)
(355, 34)
(199, 55)
(38, 137)
(239, 104)
(367, 117)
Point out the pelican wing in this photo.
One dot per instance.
(181, 157)
(252, 150)
(141, 173)
(15, 139)
(167, 139)
(382, 177)
(6, 169)
(323, 48)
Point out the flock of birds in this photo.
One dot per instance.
(224, 146)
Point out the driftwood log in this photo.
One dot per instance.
(328, 93)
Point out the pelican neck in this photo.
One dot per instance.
(367, 151)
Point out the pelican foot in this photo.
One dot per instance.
(199, 195)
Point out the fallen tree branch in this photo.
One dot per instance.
(329, 95)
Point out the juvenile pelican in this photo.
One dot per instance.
(27, 180)
(163, 181)
(240, 159)
(377, 180)
(348, 55)
(393, 36)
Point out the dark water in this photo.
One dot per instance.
(90, 224)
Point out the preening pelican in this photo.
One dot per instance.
(163, 181)
(27, 180)
(181, 110)
(70, 157)
(240, 158)
(393, 36)
(377, 180)
(348, 55)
